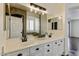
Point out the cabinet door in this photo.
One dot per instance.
(55, 48)
(60, 47)
(48, 49)
(24, 52)
(37, 50)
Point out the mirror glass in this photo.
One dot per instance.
(33, 24)
(15, 26)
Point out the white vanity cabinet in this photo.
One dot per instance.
(53, 48)
(36, 50)
(23, 52)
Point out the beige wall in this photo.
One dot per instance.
(61, 13)
(2, 32)
(43, 24)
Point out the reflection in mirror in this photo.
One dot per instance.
(15, 26)
(55, 25)
(16, 22)
(33, 24)
(36, 24)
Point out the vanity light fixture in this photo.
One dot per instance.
(37, 9)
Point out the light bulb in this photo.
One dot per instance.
(42, 13)
(31, 9)
(35, 11)
(60, 17)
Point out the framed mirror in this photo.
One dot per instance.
(15, 22)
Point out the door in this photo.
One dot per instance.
(74, 28)
(74, 35)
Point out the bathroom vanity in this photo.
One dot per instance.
(45, 47)
(26, 32)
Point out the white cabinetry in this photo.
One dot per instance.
(24, 52)
(54, 48)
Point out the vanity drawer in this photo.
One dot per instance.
(61, 47)
(37, 50)
(58, 47)
(58, 43)
(23, 52)
(55, 44)
(48, 49)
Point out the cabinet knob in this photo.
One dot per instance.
(48, 50)
(20, 54)
(55, 42)
(48, 45)
(37, 48)
(61, 41)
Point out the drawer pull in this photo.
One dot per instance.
(58, 44)
(20, 54)
(37, 48)
(48, 50)
(61, 41)
(48, 45)
(55, 42)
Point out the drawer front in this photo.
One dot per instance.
(55, 47)
(58, 43)
(58, 47)
(55, 44)
(36, 50)
(24, 52)
(48, 49)
(61, 42)
(61, 47)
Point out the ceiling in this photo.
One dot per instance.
(52, 8)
